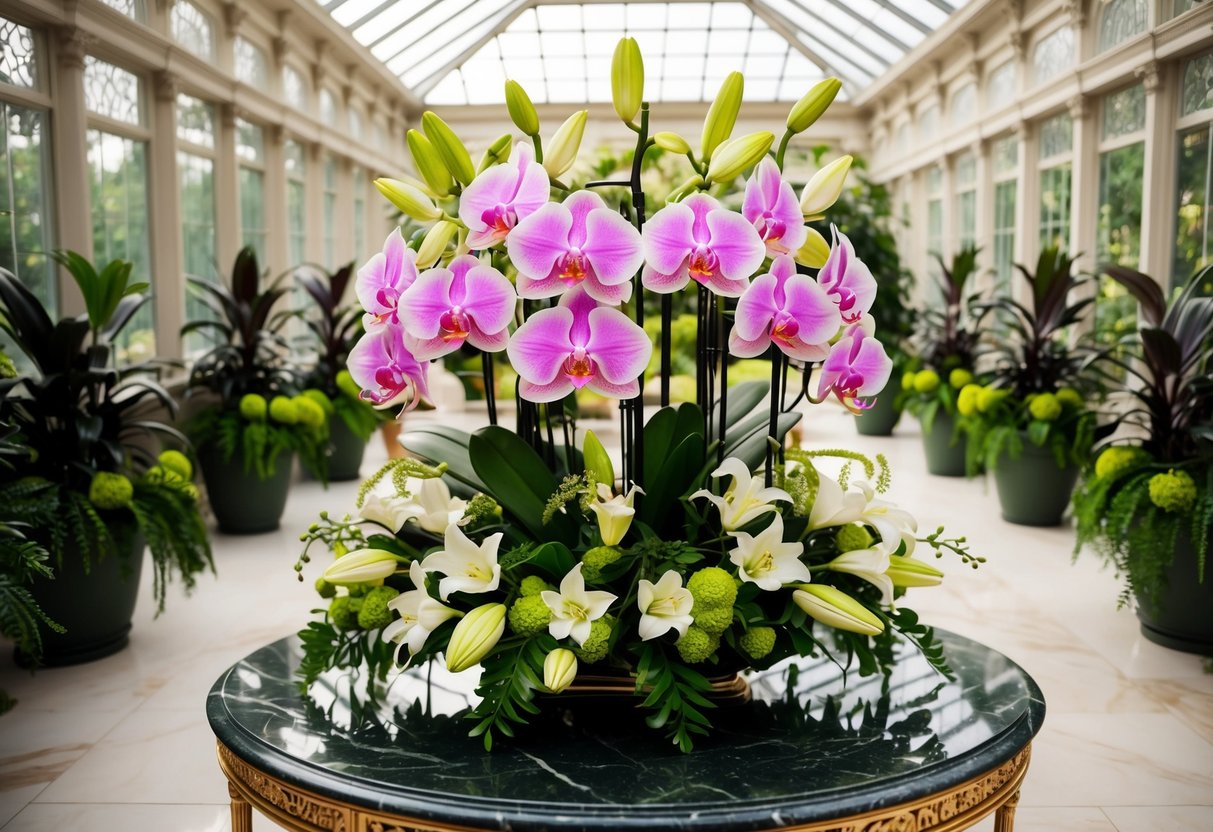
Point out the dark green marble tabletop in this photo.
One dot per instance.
(811, 746)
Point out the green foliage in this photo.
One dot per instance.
(675, 695)
(259, 444)
(1006, 423)
(948, 331)
(364, 657)
(102, 290)
(22, 560)
(510, 675)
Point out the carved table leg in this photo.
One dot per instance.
(242, 812)
(1004, 818)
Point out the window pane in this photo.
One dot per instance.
(250, 142)
(294, 88)
(195, 121)
(118, 194)
(25, 217)
(292, 154)
(964, 104)
(1192, 250)
(1182, 6)
(196, 180)
(928, 122)
(934, 245)
(1124, 112)
(1005, 156)
(296, 219)
(330, 213)
(1053, 55)
(18, 57)
(1004, 236)
(1198, 84)
(328, 107)
(935, 181)
(251, 65)
(1000, 88)
(1055, 206)
(966, 171)
(111, 91)
(193, 29)
(1119, 234)
(134, 9)
(1056, 136)
(1121, 20)
(252, 212)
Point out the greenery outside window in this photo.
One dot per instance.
(250, 154)
(296, 202)
(1005, 154)
(965, 178)
(934, 226)
(1055, 160)
(1121, 174)
(329, 233)
(1120, 20)
(1053, 55)
(196, 192)
(1194, 172)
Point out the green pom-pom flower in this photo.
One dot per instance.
(529, 616)
(852, 537)
(1174, 491)
(757, 642)
(283, 410)
(712, 587)
(343, 612)
(1117, 459)
(1071, 398)
(1045, 407)
(307, 412)
(253, 407)
(960, 377)
(596, 559)
(907, 380)
(926, 381)
(598, 642)
(697, 645)
(989, 397)
(347, 385)
(110, 491)
(533, 585)
(375, 614)
(178, 463)
(967, 399)
(712, 620)
(319, 397)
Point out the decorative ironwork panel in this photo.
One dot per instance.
(1121, 20)
(964, 104)
(111, 91)
(195, 121)
(1124, 112)
(1000, 87)
(18, 56)
(1056, 136)
(192, 28)
(1198, 84)
(294, 88)
(1053, 55)
(252, 67)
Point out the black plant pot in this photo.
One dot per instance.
(945, 453)
(882, 416)
(94, 606)
(1032, 490)
(347, 449)
(1182, 619)
(242, 502)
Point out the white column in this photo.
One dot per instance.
(227, 188)
(277, 241)
(70, 157)
(983, 219)
(1158, 187)
(1027, 207)
(1084, 183)
(168, 268)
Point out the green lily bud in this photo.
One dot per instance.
(475, 636)
(497, 153)
(693, 183)
(559, 669)
(672, 142)
(408, 199)
(361, 567)
(434, 243)
(561, 152)
(824, 188)
(627, 79)
(522, 111)
(596, 459)
(736, 156)
(454, 154)
(722, 115)
(815, 251)
(836, 609)
(428, 163)
(814, 103)
(907, 572)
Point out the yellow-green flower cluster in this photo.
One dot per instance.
(714, 592)
(1174, 491)
(852, 537)
(1117, 459)
(966, 400)
(110, 491)
(697, 645)
(253, 407)
(529, 615)
(598, 643)
(757, 642)
(1045, 407)
(597, 559)
(959, 377)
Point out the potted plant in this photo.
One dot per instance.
(1147, 504)
(91, 490)
(947, 339)
(252, 418)
(336, 329)
(1032, 424)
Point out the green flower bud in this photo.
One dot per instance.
(178, 463)
(320, 398)
(529, 616)
(1117, 459)
(561, 150)
(910, 572)
(428, 162)
(722, 115)
(597, 461)
(409, 199)
(736, 156)
(308, 413)
(852, 537)
(988, 398)
(522, 111)
(627, 79)
(343, 612)
(697, 645)
(324, 589)
(712, 587)
(253, 407)
(375, 614)
(110, 491)
(907, 380)
(813, 104)
(474, 636)
(672, 142)
(434, 243)
(361, 567)
(757, 642)
(559, 669)
(347, 385)
(496, 153)
(1174, 491)
(1071, 398)
(959, 377)
(926, 382)
(1045, 407)
(454, 154)
(533, 585)
(713, 620)
(836, 609)
(815, 250)
(824, 188)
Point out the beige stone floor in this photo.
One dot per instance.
(1127, 746)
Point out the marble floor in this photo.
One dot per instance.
(1127, 746)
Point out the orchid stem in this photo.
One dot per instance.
(773, 427)
(667, 313)
(490, 390)
(724, 378)
(634, 444)
(783, 147)
(538, 149)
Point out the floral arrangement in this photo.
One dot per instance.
(1147, 493)
(713, 549)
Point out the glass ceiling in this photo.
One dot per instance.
(461, 51)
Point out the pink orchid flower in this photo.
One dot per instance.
(501, 197)
(771, 206)
(856, 366)
(579, 344)
(697, 239)
(383, 365)
(847, 280)
(465, 302)
(787, 309)
(578, 242)
(384, 278)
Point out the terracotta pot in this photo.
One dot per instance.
(391, 439)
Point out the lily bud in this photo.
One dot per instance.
(824, 188)
(693, 183)
(522, 111)
(836, 609)
(559, 669)
(561, 152)
(815, 102)
(734, 157)
(908, 572)
(434, 243)
(672, 142)
(815, 251)
(361, 567)
(497, 153)
(454, 154)
(627, 79)
(597, 461)
(722, 115)
(408, 199)
(475, 636)
(428, 162)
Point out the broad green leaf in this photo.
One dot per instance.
(439, 443)
(516, 476)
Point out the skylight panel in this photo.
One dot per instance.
(449, 90)
(731, 16)
(559, 18)
(646, 16)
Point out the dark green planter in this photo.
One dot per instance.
(1183, 617)
(1032, 490)
(347, 448)
(244, 504)
(945, 458)
(881, 417)
(95, 606)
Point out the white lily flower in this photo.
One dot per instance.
(834, 507)
(614, 512)
(419, 614)
(745, 499)
(573, 608)
(388, 510)
(429, 502)
(467, 567)
(664, 606)
(872, 565)
(766, 560)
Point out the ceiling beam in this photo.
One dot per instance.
(504, 19)
(371, 15)
(900, 13)
(381, 38)
(858, 18)
(783, 27)
(880, 60)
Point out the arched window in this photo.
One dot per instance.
(928, 122)
(251, 65)
(1000, 86)
(328, 107)
(355, 119)
(1198, 84)
(964, 104)
(294, 88)
(1053, 55)
(1121, 20)
(192, 28)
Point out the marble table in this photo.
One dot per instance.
(809, 752)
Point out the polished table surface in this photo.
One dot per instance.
(811, 746)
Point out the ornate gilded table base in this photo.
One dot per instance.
(949, 811)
